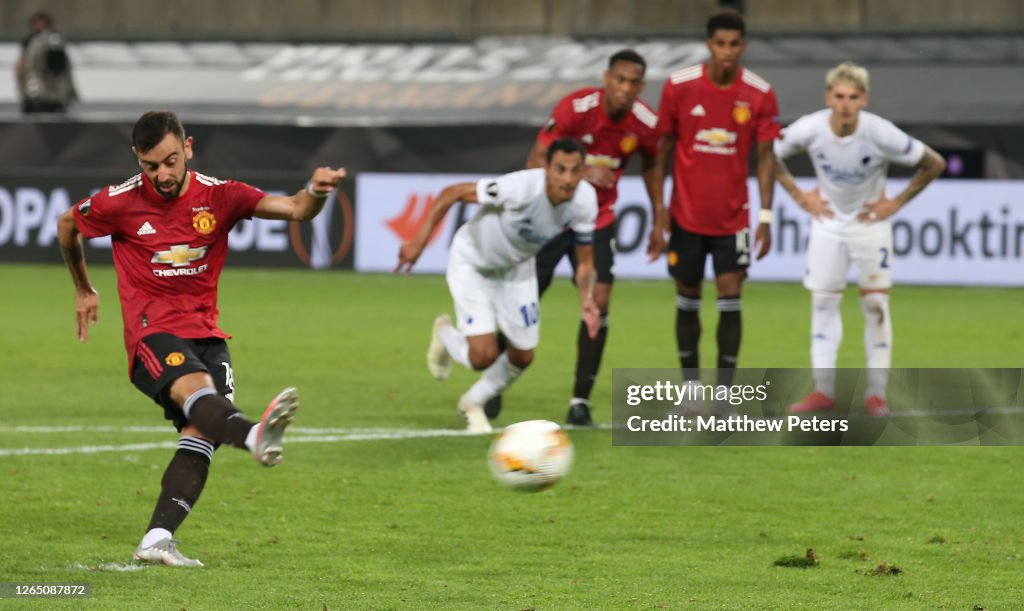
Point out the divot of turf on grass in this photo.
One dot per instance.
(808, 560)
(885, 569)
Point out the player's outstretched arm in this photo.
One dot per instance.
(411, 250)
(306, 203)
(930, 167)
(87, 300)
(585, 278)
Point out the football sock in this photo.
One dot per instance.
(153, 536)
(494, 380)
(182, 484)
(688, 335)
(250, 439)
(456, 345)
(826, 335)
(588, 358)
(877, 340)
(217, 418)
(730, 329)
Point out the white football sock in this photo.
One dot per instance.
(877, 341)
(494, 380)
(456, 345)
(826, 335)
(250, 439)
(153, 536)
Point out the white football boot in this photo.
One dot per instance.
(164, 551)
(439, 362)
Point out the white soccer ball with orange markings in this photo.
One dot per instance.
(531, 455)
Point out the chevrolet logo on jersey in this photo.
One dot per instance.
(179, 255)
(603, 161)
(716, 136)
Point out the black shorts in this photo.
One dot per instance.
(565, 245)
(162, 358)
(687, 254)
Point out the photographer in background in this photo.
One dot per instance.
(43, 69)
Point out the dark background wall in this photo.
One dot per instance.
(469, 19)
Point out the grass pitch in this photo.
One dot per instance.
(371, 511)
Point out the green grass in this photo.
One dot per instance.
(419, 523)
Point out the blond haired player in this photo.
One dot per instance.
(851, 150)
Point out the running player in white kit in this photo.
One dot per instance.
(492, 275)
(851, 150)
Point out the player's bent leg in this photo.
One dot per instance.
(219, 420)
(212, 414)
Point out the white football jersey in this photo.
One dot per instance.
(851, 170)
(516, 219)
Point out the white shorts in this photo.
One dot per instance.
(829, 255)
(489, 301)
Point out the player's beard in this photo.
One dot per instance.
(171, 195)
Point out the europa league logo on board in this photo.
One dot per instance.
(327, 239)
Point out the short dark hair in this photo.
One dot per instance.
(727, 20)
(567, 146)
(628, 55)
(151, 128)
(44, 16)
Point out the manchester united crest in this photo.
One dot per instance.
(204, 222)
(174, 359)
(628, 144)
(741, 114)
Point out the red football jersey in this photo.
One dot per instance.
(714, 129)
(168, 254)
(609, 143)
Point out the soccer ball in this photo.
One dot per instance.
(531, 455)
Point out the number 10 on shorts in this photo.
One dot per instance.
(530, 313)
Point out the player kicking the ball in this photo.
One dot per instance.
(851, 150)
(492, 275)
(169, 228)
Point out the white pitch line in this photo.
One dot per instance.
(382, 434)
(170, 429)
(131, 447)
(85, 429)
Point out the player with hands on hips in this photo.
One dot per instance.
(851, 150)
